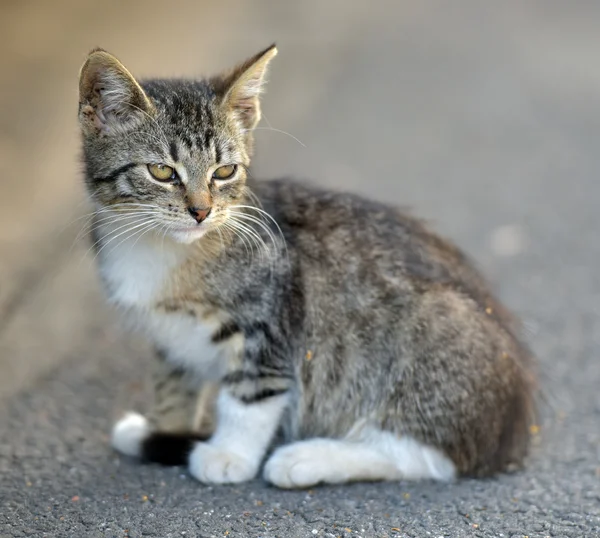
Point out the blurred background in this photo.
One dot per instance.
(482, 116)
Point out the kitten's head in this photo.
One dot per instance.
(172, 154)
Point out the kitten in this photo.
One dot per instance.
(370, 345)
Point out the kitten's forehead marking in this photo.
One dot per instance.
(174, 151)
(193, 165)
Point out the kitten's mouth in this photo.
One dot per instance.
(188, 234)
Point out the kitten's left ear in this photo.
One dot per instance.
(241, 87)
(110, 99)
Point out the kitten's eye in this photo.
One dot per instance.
(162, 172)
(225, 172)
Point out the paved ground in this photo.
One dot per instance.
(483, 116)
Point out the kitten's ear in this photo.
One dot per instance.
(240, 88)
(110, 99)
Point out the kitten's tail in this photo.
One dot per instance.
(133, 436)
(169, 448)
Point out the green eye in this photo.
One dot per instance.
(161, 172)
(225, 172)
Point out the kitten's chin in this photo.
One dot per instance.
(188, 235)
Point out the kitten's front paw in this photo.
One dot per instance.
(212, 465)
(129, 433)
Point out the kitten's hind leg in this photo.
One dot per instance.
(374, 456)
(331, 461)
(180, 416)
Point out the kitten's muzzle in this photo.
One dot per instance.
(199, 214)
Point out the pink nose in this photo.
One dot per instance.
(198, 213)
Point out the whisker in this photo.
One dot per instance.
(280, 131)
(253, 197)
(248, 229)
(249, 243)
(251, 234)
(70, 223)
(263, 213)
(108, 209)
(154, 226)
(166, 226)
(119, 235)
(248, 232)
(266, 248)
(100, 239)
(121, 216)
(266, 120)
(256, 221)
(221, 237)
(247, 246)
(260, 223)
(223, 227)
(87, 216)
(86, 228)
(252, 231)
(145, 227)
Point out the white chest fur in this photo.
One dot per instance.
(187, 341)
(137, 271)
(137, 275)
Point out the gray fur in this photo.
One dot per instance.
(352, 307)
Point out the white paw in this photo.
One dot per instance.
(213, 465)
(299, 465)
(129, 433)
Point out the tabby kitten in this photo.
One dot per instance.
(369, 345)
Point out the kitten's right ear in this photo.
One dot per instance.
(110, 99)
